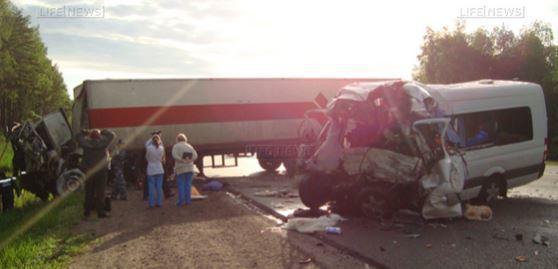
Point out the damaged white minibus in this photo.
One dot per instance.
(502, 127)
(401, 144)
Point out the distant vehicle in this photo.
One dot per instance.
(405, 144)
(219, 116)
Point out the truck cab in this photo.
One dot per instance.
(46, 152)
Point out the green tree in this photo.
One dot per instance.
(30, 85)
(458, 56)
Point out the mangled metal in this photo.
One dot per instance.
(384, 148)
(45, 150)
(381, 164)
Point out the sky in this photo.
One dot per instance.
(244, 38)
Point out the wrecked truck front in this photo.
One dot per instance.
(379, 135)
(45, 150)
(376, 114)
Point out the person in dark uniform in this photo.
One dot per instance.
(117, 166)
(95, 165)
(7, 193)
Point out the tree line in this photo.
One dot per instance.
(451, 56)
(30, 84)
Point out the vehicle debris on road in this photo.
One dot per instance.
(541, 240)
(284, 193)
(312, 225)
(333, 230)
(306, 261)
(481, 213)
(414, 236)
(307, 213)
(195, 195)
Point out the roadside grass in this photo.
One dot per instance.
(552, 163)
(6, 160)
(49, 243)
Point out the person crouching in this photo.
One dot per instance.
(184, 156)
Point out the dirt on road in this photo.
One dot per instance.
(221, 231)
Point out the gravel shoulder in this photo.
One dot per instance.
(221, 231)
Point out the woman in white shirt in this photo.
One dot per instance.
(184, 156)
(155, 155)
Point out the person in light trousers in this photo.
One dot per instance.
(155, 155)
(184, 156)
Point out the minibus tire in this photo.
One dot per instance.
(490, 191)
(314, 191)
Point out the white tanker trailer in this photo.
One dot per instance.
(219, 116)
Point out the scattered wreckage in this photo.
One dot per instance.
(386, 146)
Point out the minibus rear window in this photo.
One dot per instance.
(514, 125)
(494, 127)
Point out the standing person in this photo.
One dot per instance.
(166, 188)
(7, 192)
(155, 155)
(184, 156)
(117, 165)
(95, 165)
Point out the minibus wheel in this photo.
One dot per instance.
(491, 189)
(314, 190)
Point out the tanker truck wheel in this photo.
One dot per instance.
(268, 162)
(314, 191)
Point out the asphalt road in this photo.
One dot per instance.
(531, 209)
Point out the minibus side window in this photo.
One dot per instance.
(514, 125)
(495, 127)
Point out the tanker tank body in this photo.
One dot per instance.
(219, 116)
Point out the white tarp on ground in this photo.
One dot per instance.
(311, 225)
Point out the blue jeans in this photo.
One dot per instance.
(155, 184)
(184, 182)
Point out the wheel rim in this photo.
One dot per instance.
(492, 191)
(69, 181)
(72, 184)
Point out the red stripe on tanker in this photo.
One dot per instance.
(137, 116)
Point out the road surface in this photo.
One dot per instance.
(226, 230)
